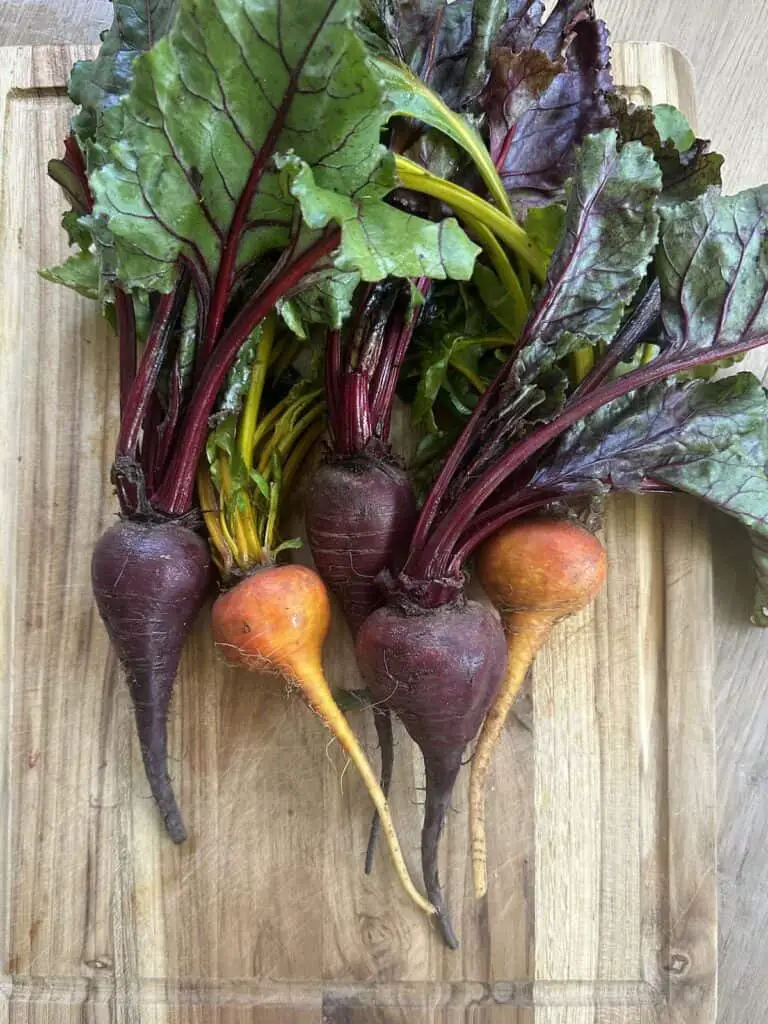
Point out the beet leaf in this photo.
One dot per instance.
(96, 85)
(688, 168)
(636, 429)
(610, 231)
(238, 120)
(543, 98)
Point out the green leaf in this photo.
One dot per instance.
(80, 272)
(760, 554)
(239, 377)
(328, 300)
(611, 228)
(408, 96)
(433, 378)
(261, 484)
(373, 233)
(185, 358)
(432, 38)
(686, 173)
(546, 225)
(294, 544)
(673, 127)
(221, 439)
(96, 85)
(291, 313)
(498, 301)
(77, 232)
(233, 83)
(712, 265)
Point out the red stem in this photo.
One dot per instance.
(445, 476)
(149, 441)
(437, 553)
(73, 155)
(355, 414)
(332, 377)
(138, 397)
(167, 429)
(175, 495)
(384, 384)
(126, 333)
(242, 210)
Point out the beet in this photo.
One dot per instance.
(361, 512)
(150, 581)
(439, 670)
(360, 516)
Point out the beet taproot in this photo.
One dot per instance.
(438, 669)
(535, 572)
(150, 581)
(276, 620)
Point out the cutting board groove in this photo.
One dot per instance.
(602, 902)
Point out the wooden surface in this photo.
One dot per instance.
(601, 838)
(727, 43)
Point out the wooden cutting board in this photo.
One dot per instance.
(602, 902)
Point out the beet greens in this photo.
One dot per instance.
(699, 270)
(225, 162)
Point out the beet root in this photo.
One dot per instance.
(439, 670)
(150, 582)
(361, 513)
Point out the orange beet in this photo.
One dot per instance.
(535, 572)
(276, 620)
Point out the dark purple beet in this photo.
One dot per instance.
(361, 512)
(439, 670)
(150, 581)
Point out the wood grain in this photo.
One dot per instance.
(726, 43)
(602, 900)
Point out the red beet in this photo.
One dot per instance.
(439, 670)
(360, 517)
(150, 581)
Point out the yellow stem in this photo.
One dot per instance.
(251, 536)
(466, 203)
(283, 356)
(209, 503)
(650, 351)
(289, 441)
(582, 362)
(525, 635)
(269, 421)
(313, 681)
(281, 442)
(270, 530)
(299, 453)
(472, 377)
(232, 532)
(259, 369)
(504, 271)
(466, 136)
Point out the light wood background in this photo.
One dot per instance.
(727, 43)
